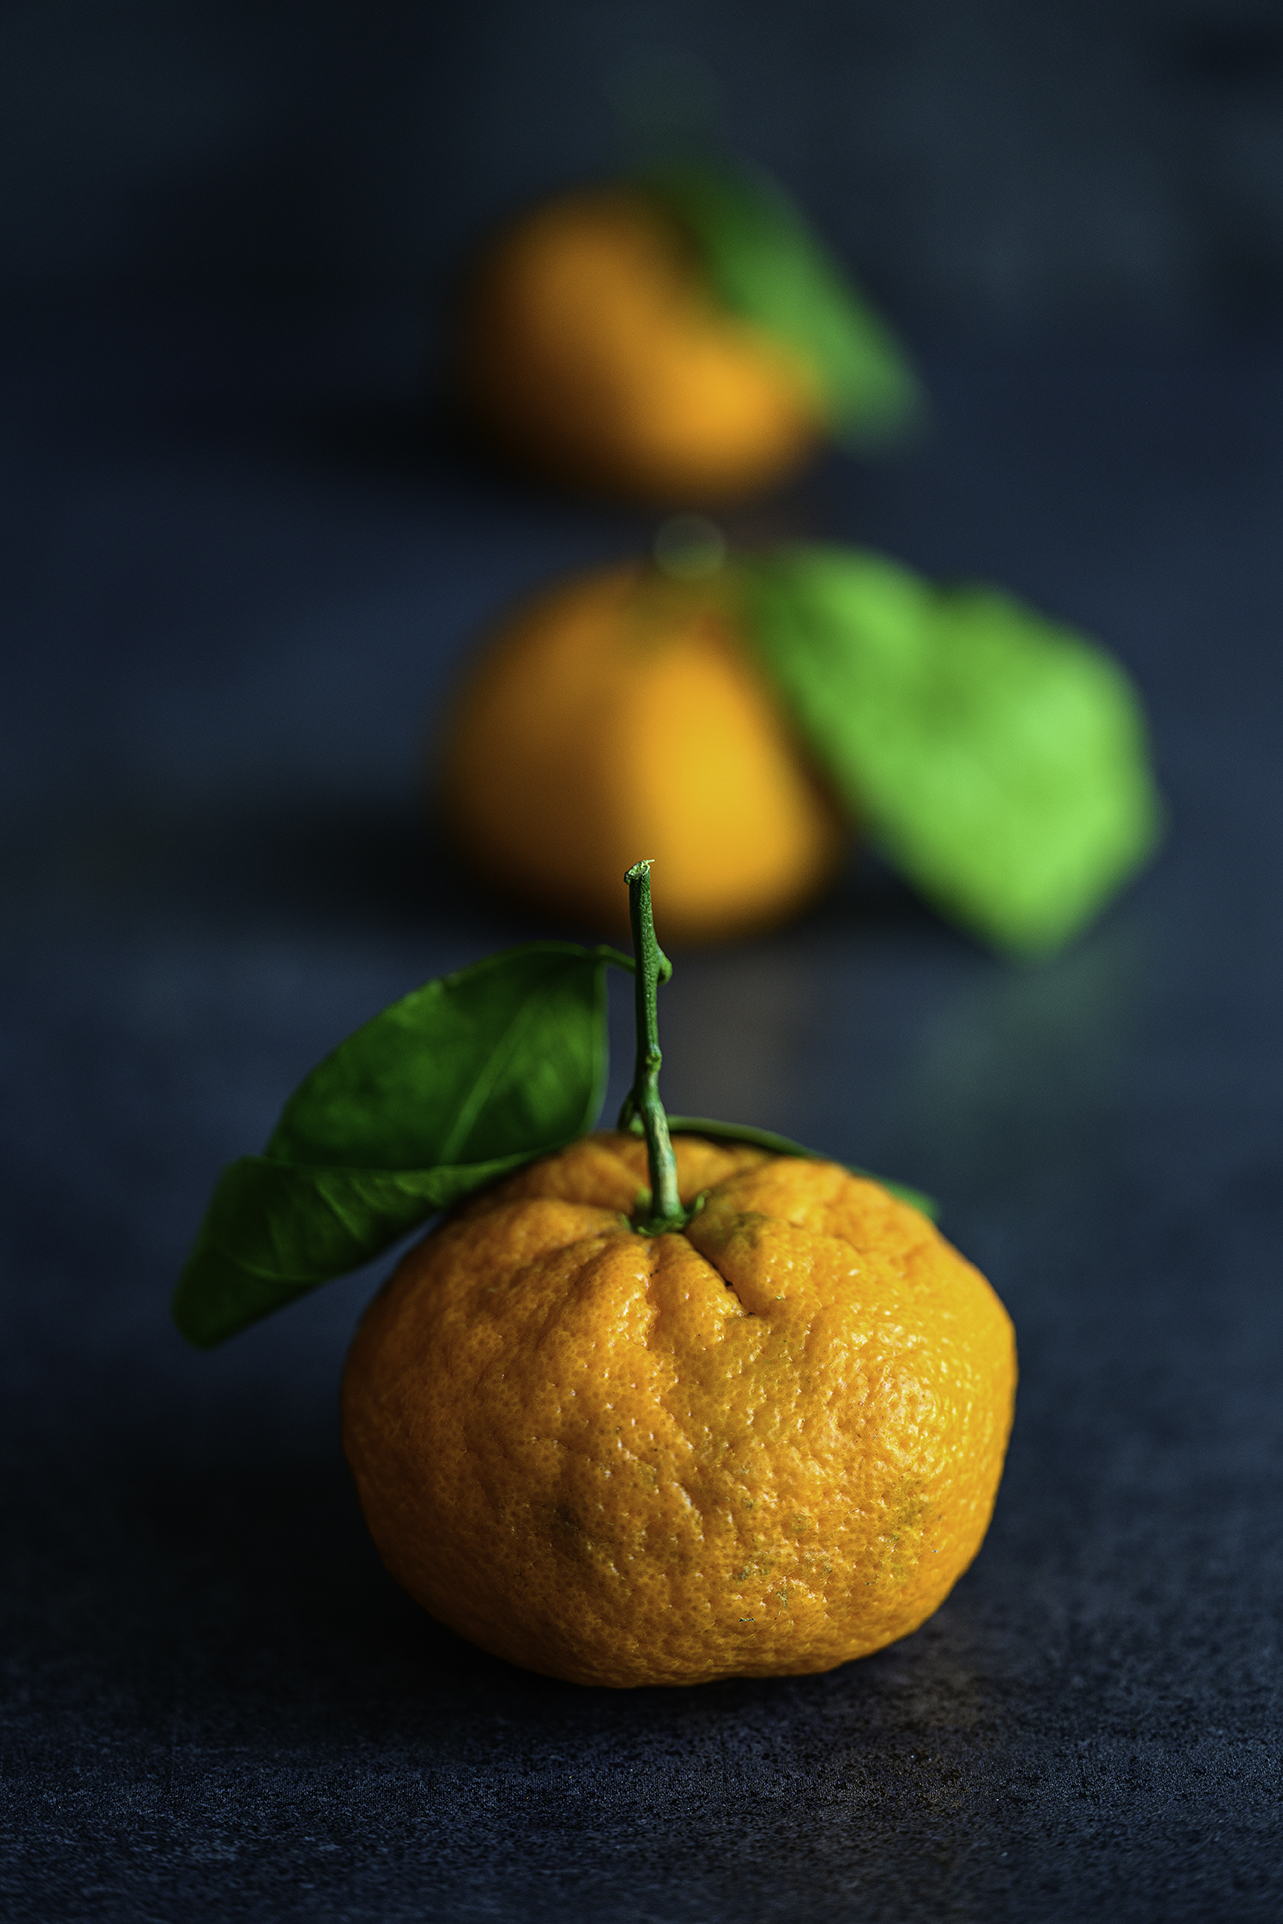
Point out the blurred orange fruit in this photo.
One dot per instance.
(620, 711)
(593, 345)
(759, 1446)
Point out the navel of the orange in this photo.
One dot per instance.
(619, 712)
(593, 344)
(761, 1446)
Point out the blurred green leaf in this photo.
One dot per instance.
(997, 759)
(766, 264)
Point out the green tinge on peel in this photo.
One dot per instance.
(766, 264)
(997, 759)
(778, 1145)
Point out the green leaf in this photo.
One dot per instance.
(766, 264)
(460, 1082)
(469, 1067)
(784, 1146)
(998, 759)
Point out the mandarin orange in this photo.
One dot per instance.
(761, 1445)
(592, 345)
(621, 710)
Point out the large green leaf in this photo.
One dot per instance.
(998, 759)
(456, 1084)
(766, 264)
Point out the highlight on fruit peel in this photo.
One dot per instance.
(745, 716)
(680, 335)
(673, 1402)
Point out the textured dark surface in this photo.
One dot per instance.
(237, 574)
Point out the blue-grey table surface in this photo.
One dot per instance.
(240, 571)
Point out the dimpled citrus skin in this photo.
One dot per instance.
(757, 1448)
(593, 345)
(619, 712)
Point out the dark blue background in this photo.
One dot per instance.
(984, 158)
(240, 562)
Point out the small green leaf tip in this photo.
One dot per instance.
(997, 759)
(766, 264)
(458, 1083)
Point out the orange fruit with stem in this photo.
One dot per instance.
(666, 1404)
(650, 1412)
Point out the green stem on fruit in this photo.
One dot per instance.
(643, 1112)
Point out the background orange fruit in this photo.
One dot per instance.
(592, 345)
(618, 712)
(760, 1446)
